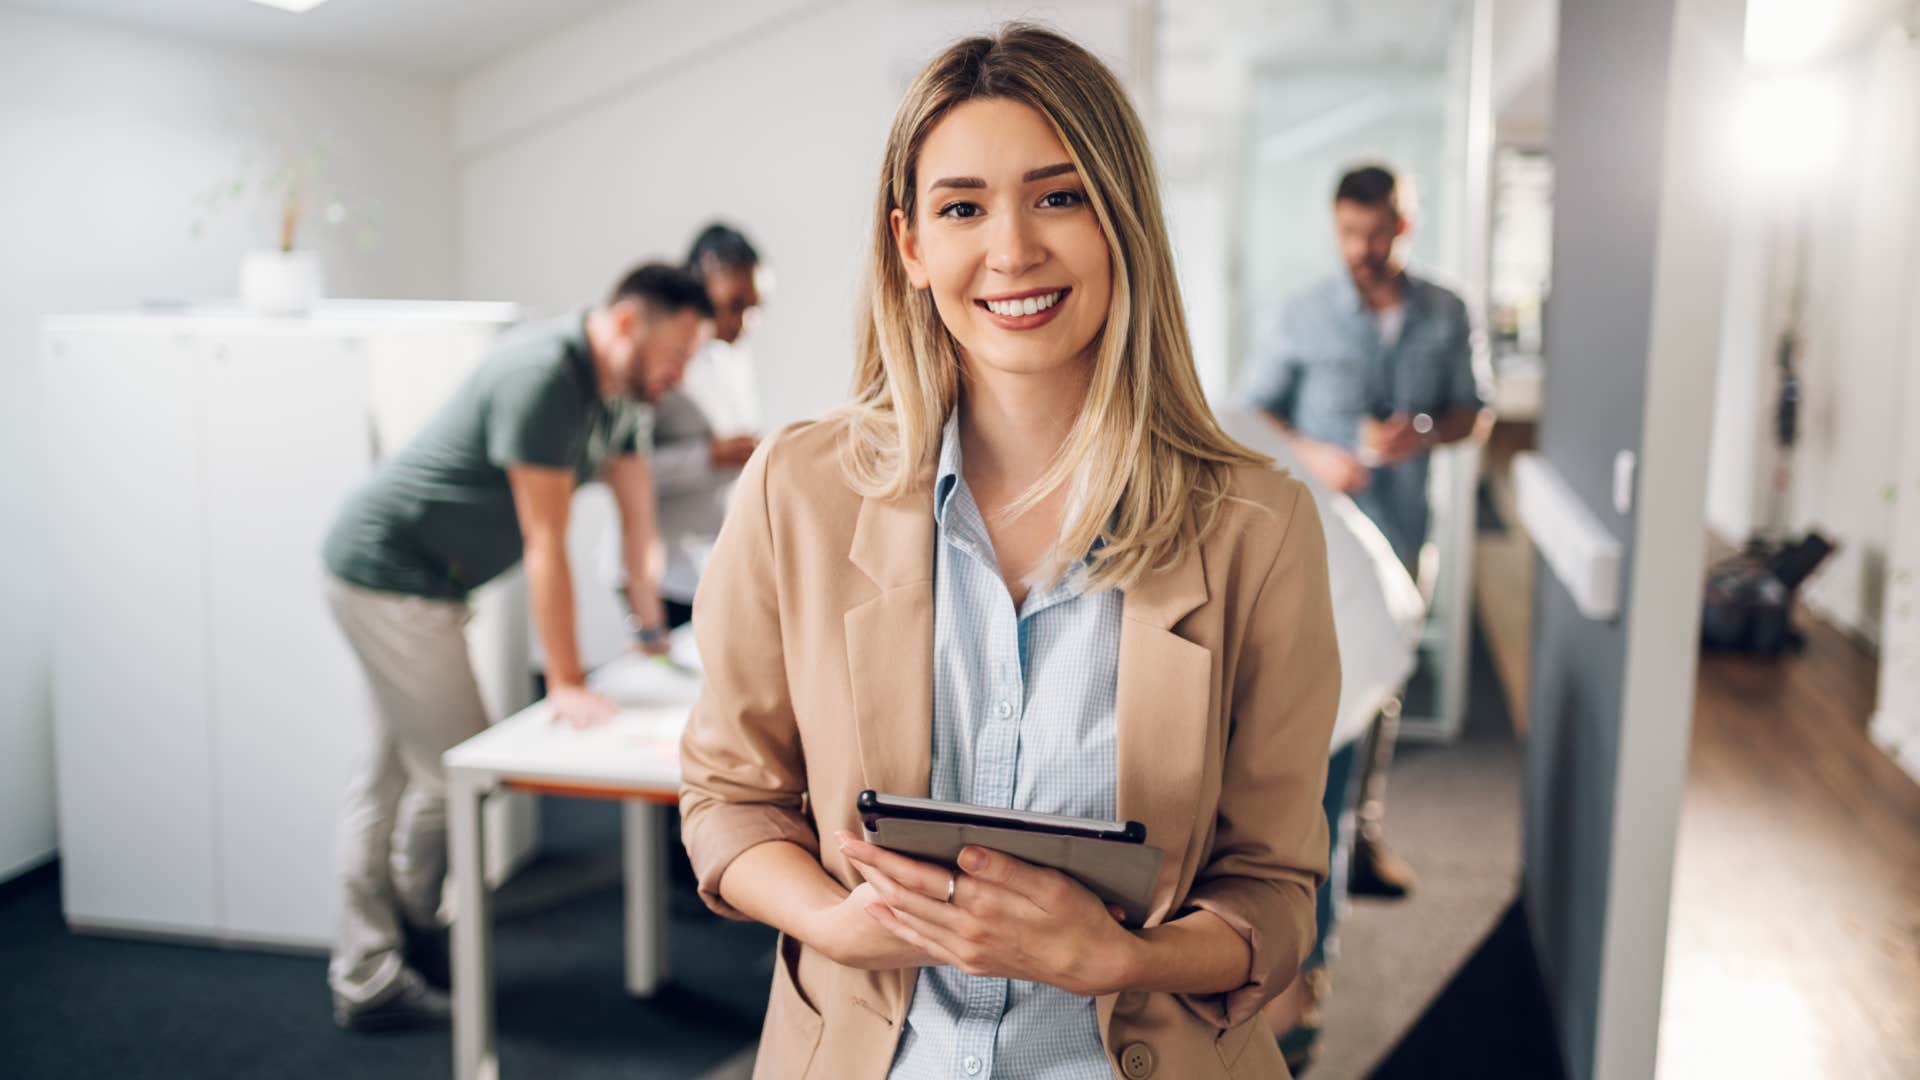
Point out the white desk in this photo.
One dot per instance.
(635, 758)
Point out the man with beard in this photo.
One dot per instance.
(1366, 371)
(486, 484)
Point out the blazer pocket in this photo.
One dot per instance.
(791, 1033)
(1250, 1052)
(1231, 1044)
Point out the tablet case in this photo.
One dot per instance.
(1116, 871)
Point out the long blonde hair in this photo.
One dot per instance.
(1145, 461)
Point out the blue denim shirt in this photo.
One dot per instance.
(1321, 367)
(1023, 717)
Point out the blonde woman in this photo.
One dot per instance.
(1023, 568)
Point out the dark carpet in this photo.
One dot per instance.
(1443, 983)
(1491, 1020)
(80, 1006)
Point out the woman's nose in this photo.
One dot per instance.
(1014, 246)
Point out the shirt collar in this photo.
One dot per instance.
(580, 358)
(1347, 292)
(946, 475)
(946, 480)
(1351, 302)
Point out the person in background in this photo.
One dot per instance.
(704, 431)
(1365, 372)
(1377, 616)
(487, 483)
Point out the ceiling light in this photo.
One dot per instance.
(1788, 129)
(295, 6)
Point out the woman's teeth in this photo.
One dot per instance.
(1027, 305)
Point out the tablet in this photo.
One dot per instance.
(1111, 858)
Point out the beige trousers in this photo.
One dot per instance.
(393, 832)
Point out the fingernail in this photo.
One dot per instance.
(972, 859)
(840, 837)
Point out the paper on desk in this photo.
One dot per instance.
(651, 732)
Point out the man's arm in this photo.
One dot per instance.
(542, 500)
(1270, 384)
(1469, 385)
(630, 477)
(1271, 376)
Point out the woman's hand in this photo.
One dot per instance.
(1008, 919)
(847, 933)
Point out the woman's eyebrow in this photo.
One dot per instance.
(1050, 170)
(1031, 175)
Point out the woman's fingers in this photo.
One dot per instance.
(938, 942)
(924, 878)
(950, 917)
(1048, 889)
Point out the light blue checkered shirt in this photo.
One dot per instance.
(1023, 717)
(1321, 366)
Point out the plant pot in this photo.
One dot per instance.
(280, 282)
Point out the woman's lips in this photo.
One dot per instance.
(1004, 319)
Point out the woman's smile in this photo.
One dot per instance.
(1027, 310)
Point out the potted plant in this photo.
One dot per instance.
(288, 278)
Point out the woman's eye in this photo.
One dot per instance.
(960, 210)
(1062, 199)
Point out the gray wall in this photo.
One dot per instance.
(1608, 136)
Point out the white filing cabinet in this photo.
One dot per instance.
(207, 710)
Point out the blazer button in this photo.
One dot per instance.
(1136, 1061)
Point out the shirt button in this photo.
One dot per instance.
(1136, 1061)
(1003, 710)
(971, 1064)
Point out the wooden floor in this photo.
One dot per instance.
(1794, 948)
(1503, 574)
(1794, 944)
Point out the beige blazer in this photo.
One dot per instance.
(815, 629)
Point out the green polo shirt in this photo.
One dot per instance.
(437, 518)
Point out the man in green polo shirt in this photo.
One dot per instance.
(486, 484)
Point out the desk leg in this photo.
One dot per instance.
(473, 1052)
(644, 824)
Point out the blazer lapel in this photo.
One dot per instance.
(890, 662)
(890, 643)
(1162, 708)
(1161, 716)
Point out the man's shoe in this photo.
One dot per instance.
(1297, 1045)
(410, 1003)
(427, 952)
(1375, 870)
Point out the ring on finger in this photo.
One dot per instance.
(953, 883)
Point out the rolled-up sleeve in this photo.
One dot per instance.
(1270, 845)
(742, 772)
(1271, 379)
(1469, 369)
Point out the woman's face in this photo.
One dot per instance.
(1006, 240)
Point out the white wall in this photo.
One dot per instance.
(110, 137)
(1844, 466)
(1896, 721)
(615, 139)
(1856, 222)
